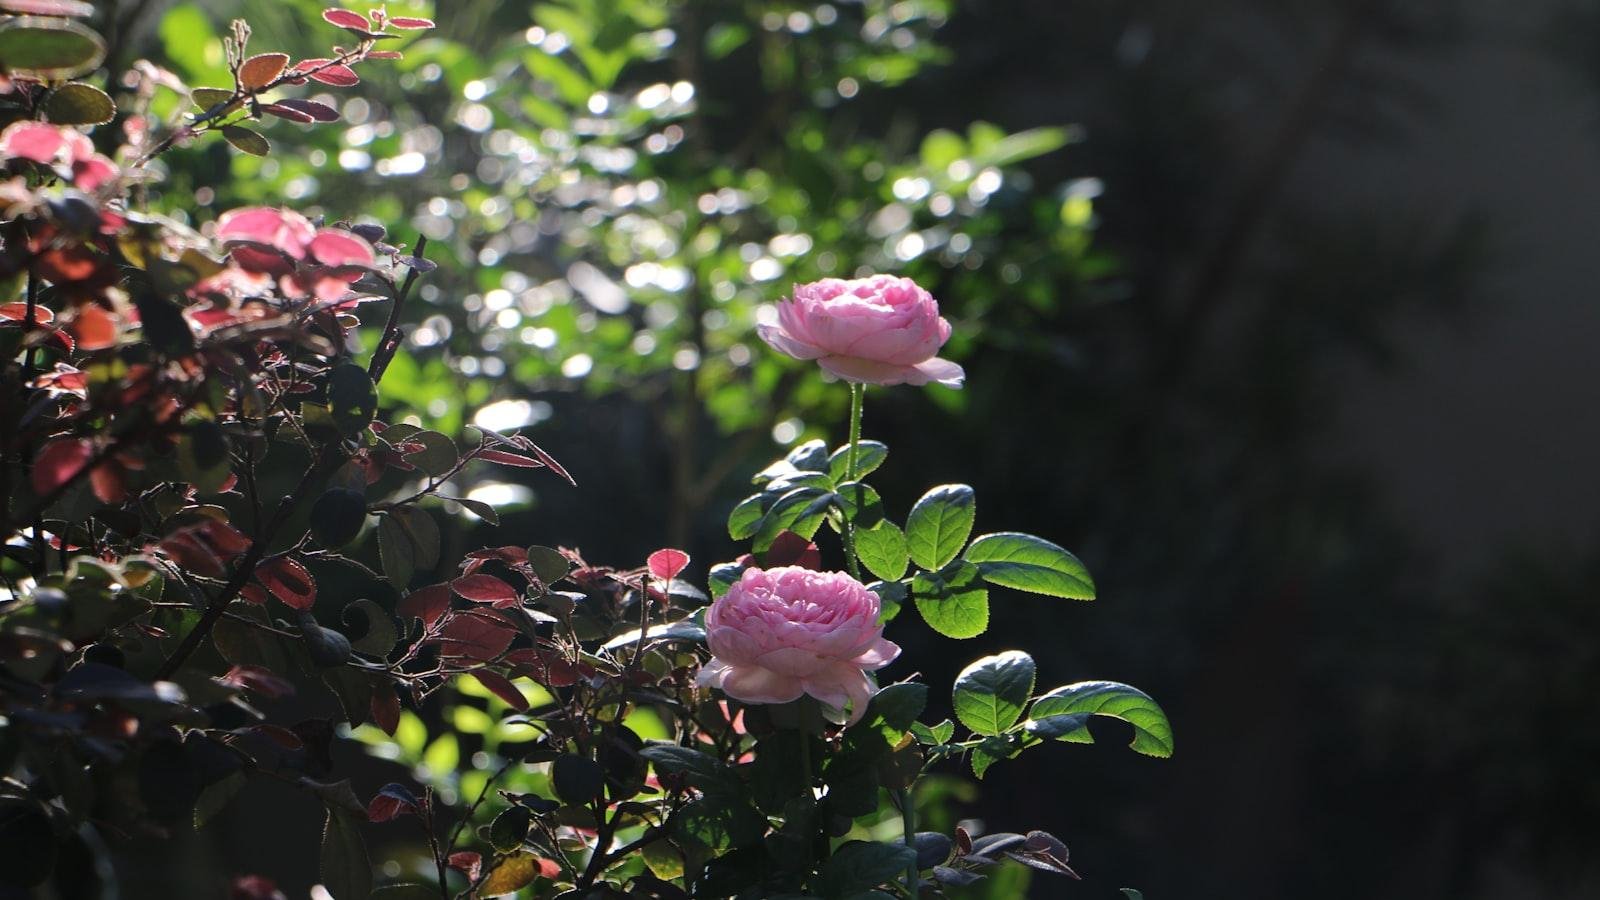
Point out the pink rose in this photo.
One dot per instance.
(878, 330)
(779, 633)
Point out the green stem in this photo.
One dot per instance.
(908, 818)
(857, 392)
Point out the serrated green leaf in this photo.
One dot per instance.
(745, 519)
(882, 549)
(859, 504)
(953, 602)
(1152, 733)
(1027, 563)
(869, 456)
(991, 693)
(939, 524)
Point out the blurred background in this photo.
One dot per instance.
(1278, 312)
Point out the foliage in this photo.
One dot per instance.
(208, 511)
(617, 206)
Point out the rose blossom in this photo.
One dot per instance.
(779, 633)
(877, 330)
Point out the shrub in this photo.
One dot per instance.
(205, 514)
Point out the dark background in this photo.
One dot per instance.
(1327, 442)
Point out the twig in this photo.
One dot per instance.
(389, 344)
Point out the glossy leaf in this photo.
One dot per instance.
(939, 525)
(1028, 563)
(882, 549)
(858, 866)
(953, 602)
(1152, 733)
(869, 456)
(246, 140)
(990, 693)
(76, 103)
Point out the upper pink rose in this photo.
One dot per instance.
(779, 633)
(877, 330)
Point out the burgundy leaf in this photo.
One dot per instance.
(475, 634)
(319, 112)
(410, 24)
(344, 18)
(289, 581)
(59, 462)
(486, 589)
(427, 604)
(501, 687)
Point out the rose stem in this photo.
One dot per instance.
(857, 391)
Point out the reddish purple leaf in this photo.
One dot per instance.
(509, 459)
(32, 140)
(410, 24)
(790, 549)
(666, 564)
(391, 801)
(501, 687)
(289, 581)
(467, 862)
(475, 634)
(344, 18)
(286, 112)
(59, 462)
(385, 708)
(319, 112)
(427, 604)
(486, 589)
(75, 8)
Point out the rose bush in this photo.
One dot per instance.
(211, 526)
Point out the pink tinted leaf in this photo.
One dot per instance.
(344, 18)
(89, 173)
(328, 72)
(485, 589)
(18, 312)
(333, 247)
(34, 141)
(386, 54)
(75, 8)
(385, 708)
(468, 862)
(509, 459)
(59, 462)
(289, 581)
(666, 564)
(790, 549)
(408, 23)
(427, 604)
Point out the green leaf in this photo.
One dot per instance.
(1032, 564)
(346, 873)
(246, 141)
(1132, 894)
(548, 564)
(352, 397)
(936, 734)
(50, 48)
(207, 97)
(438, 454)
(203, 456)
(939, 524)
(1152, 733)
(338, 516)
(443, 755)
(952, 601)
(576, 779)
(862, 865)
(990, 693)
(376, 627)
(1056, 726)
(869, 456)
(724, 38)
(882, 549)
(894, 709)
(745, 519)
(216, 795)
(812, 456)
(991, 751)
(860, 504)
(801, 511)
(76, 103)
(395, 551)
(510, 829)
